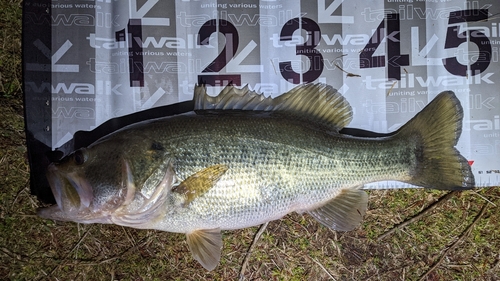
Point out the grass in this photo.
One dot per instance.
(451, 238)
(10, 49)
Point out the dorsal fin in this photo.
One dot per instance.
(232, 98)
(316, 102)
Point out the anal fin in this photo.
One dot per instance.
(344, 212)
(206, 246)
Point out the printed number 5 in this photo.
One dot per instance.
(454, 39)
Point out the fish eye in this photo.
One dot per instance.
(80, 157)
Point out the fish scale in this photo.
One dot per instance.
(241, 159)
(304, 180)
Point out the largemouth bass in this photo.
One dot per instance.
(241, 160)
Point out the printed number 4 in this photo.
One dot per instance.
(394, 57)
(453, 39)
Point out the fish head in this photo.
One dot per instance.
(108, 182)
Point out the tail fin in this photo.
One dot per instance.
(437, 129)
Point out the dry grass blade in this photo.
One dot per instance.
(324, 269)
(123, 254)
(71, 251)
(12, 255)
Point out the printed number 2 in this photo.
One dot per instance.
(232, 40)
(306, 49)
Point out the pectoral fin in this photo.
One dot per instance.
(200, 182)
(344, 212)
(205, 246)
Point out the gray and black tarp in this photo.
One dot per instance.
(91, 67)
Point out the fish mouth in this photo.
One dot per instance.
(72, 192)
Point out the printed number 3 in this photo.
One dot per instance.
(306, 49)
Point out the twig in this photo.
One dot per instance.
(120, 255)
(130, 238)
(429, 208)
(492, 17)
(69, 253)
(136, 245)
(392, 87)
(462, 236)
(349, 74)
(274, 67)
(247, 256)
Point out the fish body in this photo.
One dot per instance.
(272, 166)
(242, 160)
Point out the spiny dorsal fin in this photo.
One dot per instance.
(316, 102)
(205, 246)
(344, 212)
(232, 98)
